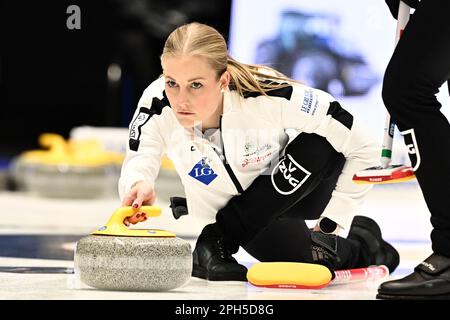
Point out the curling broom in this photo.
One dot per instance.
(298, 275)
(387, 173)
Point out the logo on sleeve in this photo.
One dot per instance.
(289, 177)
(203, 172)
(309, 104)
(135, 127)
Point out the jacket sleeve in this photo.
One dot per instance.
(146, 145)
(314, 111)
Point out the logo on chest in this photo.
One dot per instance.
(254, 154)
(203, 172)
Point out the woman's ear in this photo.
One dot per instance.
(225, 80)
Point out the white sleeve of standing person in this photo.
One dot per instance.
(309, 110)
(146, 144)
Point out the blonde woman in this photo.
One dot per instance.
(258, 154)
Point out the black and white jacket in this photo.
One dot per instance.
(254, 130)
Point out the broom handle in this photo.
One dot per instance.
(389, 127)
(374, 272)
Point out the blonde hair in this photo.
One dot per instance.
(205, 41)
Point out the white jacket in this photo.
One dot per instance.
(255, 131)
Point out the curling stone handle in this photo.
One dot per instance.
(151, 211)
(123, 212)
(116, 220)
(54, 142)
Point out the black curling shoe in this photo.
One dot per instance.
(213, 260)
(374, 249)
(430, 280)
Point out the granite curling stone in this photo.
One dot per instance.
(117, 258)
(67, 169)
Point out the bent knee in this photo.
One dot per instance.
(406, 90)
(394, 88)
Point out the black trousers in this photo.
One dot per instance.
(268, 218)
(418, 68)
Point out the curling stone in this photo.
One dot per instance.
(67, 169)
(115, 257)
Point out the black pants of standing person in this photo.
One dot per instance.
(419, 66)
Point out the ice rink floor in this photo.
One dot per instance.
(38, 236)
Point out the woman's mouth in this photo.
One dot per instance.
(184, 113)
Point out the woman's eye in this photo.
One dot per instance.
(171, 84)
(196, 85)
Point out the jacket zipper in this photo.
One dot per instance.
(225, 162)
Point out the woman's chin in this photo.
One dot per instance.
(186, 123)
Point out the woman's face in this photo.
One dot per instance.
(193, 90)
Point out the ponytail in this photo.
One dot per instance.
(247, 78)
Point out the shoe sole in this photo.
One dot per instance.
(200, 272)
(405, 297)
(228, 277)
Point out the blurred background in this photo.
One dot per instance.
(71, 73)
(53, 78)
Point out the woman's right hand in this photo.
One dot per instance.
(142, 193)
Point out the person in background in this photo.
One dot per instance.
(419, 66)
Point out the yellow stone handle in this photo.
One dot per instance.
(116, 227)
(54, 142)
(121, 213)
(115, 223)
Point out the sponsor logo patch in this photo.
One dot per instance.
(309, 104)
(428, 265)
(254, 154)
(140, 120)
(255, 160)
(413, 148)
(135, 128)
(288, 176)
(203, 172)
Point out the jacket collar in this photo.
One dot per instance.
(230, 101)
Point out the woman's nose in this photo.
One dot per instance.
(183, 98)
